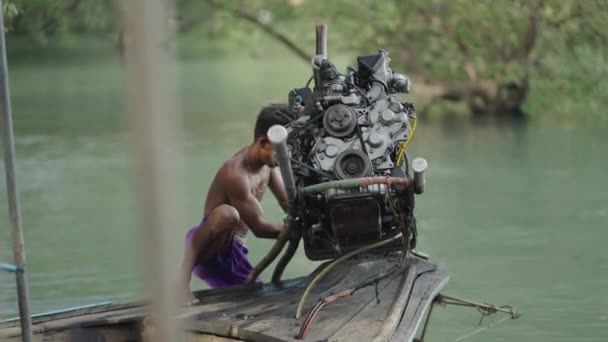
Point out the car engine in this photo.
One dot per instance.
(352, 126)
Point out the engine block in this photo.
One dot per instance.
(350, 126)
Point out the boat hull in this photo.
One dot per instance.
(392, 309)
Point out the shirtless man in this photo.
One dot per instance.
(215, 249)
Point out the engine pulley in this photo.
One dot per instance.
(339, 120)
(352, 164)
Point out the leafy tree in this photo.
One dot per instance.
(482, 53)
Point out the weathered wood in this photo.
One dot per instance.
(266, 312)
(397, 306)
(364, 325)
(425, 289)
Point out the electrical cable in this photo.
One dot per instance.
(336, 262)
(406, 142)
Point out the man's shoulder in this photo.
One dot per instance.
(232, 175)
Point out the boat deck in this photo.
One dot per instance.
(391, 310)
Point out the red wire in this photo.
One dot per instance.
(310, 319)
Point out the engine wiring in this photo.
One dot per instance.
(403, 147)
(400, 218)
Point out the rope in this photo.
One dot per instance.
(485, 310)
(479, 330)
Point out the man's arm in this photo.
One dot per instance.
(278, 188)
(250, 210)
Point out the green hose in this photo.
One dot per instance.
(354, 183)
(336, 262)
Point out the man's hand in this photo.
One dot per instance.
(249, 208)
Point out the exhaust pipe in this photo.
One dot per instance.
(419, 165)
(277, 135)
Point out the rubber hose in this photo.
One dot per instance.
(336, 262)
(270, 256)
(285, 259)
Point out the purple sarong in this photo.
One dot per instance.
(228, 267)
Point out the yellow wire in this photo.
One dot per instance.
(403, 147)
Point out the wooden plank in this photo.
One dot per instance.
(329, 320)
(364, 325)
(426, 288)
(397, 306)
(227, 330)
(117, 313)
(395, 315)
(266, 312)
(282, 324)
(392, 314)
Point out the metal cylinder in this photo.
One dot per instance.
(321, 50)
(321, 30)
(277, 135)
(419, 165)
(12, 191)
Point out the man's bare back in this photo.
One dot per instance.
(215, 249)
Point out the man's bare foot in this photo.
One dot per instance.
(185, 294)
(190, 300)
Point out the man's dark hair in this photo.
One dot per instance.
(270, 115)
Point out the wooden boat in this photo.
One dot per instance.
(389, 309)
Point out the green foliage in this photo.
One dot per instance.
(42, 19)
(456, 40)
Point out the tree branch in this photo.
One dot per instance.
(271, 31)
(530, 35)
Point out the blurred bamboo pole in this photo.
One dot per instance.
(13, 191)
(153, 121)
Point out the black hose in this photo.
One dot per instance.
(285, 259)
(270, 256)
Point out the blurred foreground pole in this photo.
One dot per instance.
(13, 192)
(154, 125)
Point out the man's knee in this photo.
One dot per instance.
(224, 217)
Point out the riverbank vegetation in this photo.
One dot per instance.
(540, 59)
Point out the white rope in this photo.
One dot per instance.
(479, 330)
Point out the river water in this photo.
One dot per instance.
(517, 214)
